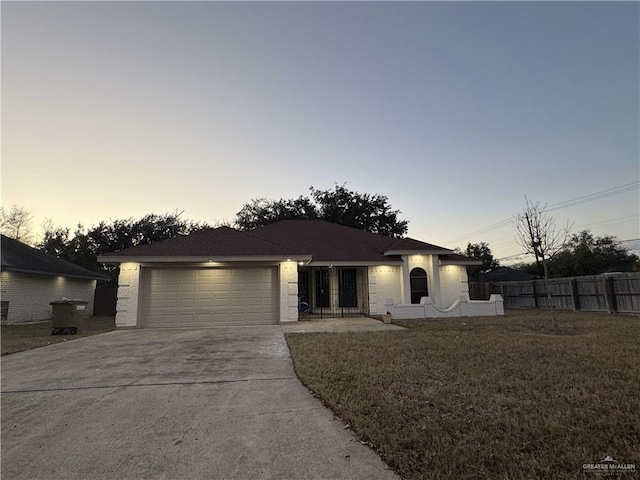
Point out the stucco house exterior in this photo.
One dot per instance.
(288, 271)
(31, 279)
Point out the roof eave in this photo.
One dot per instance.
(444, 261)
(417, 252)
(55, 274)
(353, 263)
(116, 259)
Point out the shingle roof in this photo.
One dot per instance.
(219, 242)
(412, 245)
(456, 259)
(18, 257)
(318, 240)
(327, 241)
(504, 274)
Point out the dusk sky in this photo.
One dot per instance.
(453, 110)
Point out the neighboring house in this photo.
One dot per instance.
(287, 270)
(504, 274)
(31, 279)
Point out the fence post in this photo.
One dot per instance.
(610, 295)
(575, 296)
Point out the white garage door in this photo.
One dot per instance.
(200, 297)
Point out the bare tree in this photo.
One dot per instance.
(16, 223)
(537, 234)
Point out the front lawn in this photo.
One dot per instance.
(17, 338)
(478, 398)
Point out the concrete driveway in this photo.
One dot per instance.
(220, 403)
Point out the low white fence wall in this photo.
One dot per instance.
(462, 307)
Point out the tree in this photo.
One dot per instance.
(261, 212)
(585, 254)
(85, 245)
(16, 223)
(370, 213)
(480, 251)
(537, 234)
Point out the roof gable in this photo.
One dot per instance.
(408, 246)
(18, 257)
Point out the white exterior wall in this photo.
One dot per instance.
(288, 292)
(453, 283)
(448, 293)
(29, 295)
(430, 264)
(128, 294)
(384, 288)
(460, 308)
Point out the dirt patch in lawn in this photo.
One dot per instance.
(499, 398)
(17, 338)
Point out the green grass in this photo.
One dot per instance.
(477, 398)
(17, 338)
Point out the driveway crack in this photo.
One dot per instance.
(155, 384)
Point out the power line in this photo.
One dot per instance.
(595, 196)
(557, 206)
(635, 215)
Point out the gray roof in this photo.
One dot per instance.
(18, 257)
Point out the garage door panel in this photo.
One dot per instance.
(187, 303)
(204, 303)
(206, 297)
(203, 288)
(187, 287)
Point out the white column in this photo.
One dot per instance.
(435, 288)
(405, 284)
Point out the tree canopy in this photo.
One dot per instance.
(586, 254)
(371, 213)
(479, 251)
(84, 245)
(16, 223)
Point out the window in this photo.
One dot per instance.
(418, 280)
(348, 295)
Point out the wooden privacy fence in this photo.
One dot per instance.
(597, 293)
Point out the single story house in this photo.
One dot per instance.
(288, 270)
(505, 274)
(30, 279)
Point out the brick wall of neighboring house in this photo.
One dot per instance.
(384, 287)
(29, 295)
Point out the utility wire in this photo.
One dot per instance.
(557, 206)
